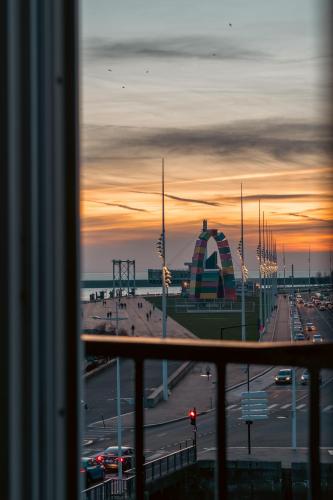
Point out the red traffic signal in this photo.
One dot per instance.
(193, 416)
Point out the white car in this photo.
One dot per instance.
(317, 338)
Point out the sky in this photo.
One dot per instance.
(226, 91)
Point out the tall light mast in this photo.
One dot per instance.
(164, 300)
(243, 269)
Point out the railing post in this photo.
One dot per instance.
(167, 463)
(314, 438)
(222, 483)
(160, 468)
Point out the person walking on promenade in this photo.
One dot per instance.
(132, 328)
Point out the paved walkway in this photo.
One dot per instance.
(147, 321)
(196, 389)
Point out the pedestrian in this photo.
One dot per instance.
(132, 328)
(208, 372)
(147, 316)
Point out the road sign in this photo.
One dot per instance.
(254, 406)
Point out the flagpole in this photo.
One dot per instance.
(264, 276)
(268, 274)
(164, 304)
(271, 270)
(243, 269)
(284, 269)
(260, 279)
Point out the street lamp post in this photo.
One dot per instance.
(164, 298)
(293, 380)
(118, 396)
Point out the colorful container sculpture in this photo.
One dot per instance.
(207, 283)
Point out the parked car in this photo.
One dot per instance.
(322, 307)
(300, 336)
(317, 338)
(310, 327)
(305, 377)
(284, 376)
(95, 472)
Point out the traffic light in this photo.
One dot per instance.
(167, 276)
(193, 416)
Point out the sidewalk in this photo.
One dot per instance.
(285, 455)
(195, 390)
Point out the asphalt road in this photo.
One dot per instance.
(274, 432)
(100, 389)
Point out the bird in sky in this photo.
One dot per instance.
(230, 25)
(123, 87)
(109, 69)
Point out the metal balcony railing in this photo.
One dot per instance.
(154, 469)
(313, 357)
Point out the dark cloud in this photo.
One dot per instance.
(308, 217)
(180, 198)
(126, 207)
(199, 46)
(276, 138)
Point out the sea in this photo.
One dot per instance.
(107, 277)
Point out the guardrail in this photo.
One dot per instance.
(125, 488)
(193, 306)
(169, 463)
(312, 357)
(110, 489)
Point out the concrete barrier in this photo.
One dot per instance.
(157, 394)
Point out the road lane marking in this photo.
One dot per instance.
(284, 407)
(162, 434)
(329, 407)
(271, 406)
(230, 406)
(300, 406)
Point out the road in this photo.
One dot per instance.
(100, 389)
(274, 432)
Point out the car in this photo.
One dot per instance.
(125, 450)
(299, 336)
(94, 471)
(310, 327)
(317, 338)
(322, 308)
(305, 377)
(112, 459)
(310, 304)
(284, 376)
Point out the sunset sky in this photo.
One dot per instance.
(223, 105)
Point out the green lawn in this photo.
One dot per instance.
(208, 325)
